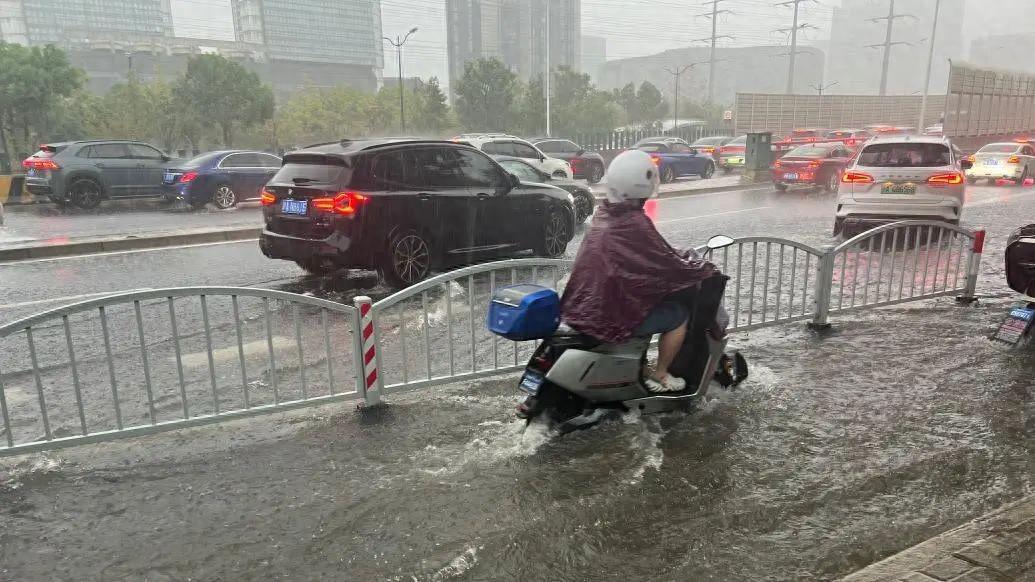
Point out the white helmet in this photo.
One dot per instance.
(632, 175)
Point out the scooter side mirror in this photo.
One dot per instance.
(719, 241)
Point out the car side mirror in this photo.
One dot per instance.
(513, 181)
(719, 241)
(966, 164)
(166, 157)
(580, 152)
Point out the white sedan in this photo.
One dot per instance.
(1003, 161)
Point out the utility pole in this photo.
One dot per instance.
(714, 15)
(795, 27)
(821, 87)
(930, 58)
(675, 106)
(888, 43)
(398, 44)
(547, 80)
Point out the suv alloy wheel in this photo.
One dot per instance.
(408, 259)
(85, 193)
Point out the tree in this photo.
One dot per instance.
(530, 111)
(650, 103)
(627, 100)
(315, 115)
(224, 94)
(485, 95)
(32, 81)
(431, 112)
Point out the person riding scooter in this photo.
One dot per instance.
(627, 280)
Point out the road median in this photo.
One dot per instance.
(44, 250)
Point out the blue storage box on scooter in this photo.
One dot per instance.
(524, 312)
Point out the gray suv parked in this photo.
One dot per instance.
(85, 172)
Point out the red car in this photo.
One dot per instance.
(818, 164)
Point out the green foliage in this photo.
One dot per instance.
(316, 115)
(578, 107)
(650, 104)
(431, 114)
(224, 94)
(530, 113)
(485, 95)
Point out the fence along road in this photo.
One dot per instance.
(199, 355)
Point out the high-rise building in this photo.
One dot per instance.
(514, 31)
(593, 55)
(70, 22)
(856, 67)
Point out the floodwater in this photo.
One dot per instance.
(837, 452)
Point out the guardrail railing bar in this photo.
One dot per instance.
(938, 259)
(794, 268)
(765, 282)
(855, 274)
(179, 356)
(111, 368)
(880, 265)
(449, 327)
(147, 365)
(470, 307)
(779, 283)
(146, 429)
(495, 338)
(8, 429)
(736, 297)
(844, 267)
(402, 340)
(427, 342)
(240, 349)
(75, 374)
(301, 354)
(869, 261)
(894, 262)
(39, 381)
(916, 261)
(927, 260)
(208, 353)
(959, 262)
(332, 387)
(269, 348)
(751, 286)
(948, 264)
(805, 285)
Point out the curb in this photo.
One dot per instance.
(996, 546)
(21, 253)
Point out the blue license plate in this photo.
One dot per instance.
(991, 162)
(31, 173)
(531, 382)
(790, 176)
(168, 178)
(299, 207)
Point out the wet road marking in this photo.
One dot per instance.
(200, 359)
(713, 215)
(68, 298)
(127, 252)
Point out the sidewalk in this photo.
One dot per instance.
(998, 547)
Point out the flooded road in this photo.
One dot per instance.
(839, 450)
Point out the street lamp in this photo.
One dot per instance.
(398, 44)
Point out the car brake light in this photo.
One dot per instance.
(813, 165)
(40, 164)
(343, 203)
(856, 178)
(189, 176)
(971, 158)
(267, 198)
(1013, 160)
(656, 160)
(778, 163)
(950, 179)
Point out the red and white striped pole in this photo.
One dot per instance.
(973, 266)
(368, 380)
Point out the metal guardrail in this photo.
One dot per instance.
(142, 362)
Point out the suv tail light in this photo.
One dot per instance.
(950, 179)
(814, 165)
(188, 177)
(267, 198)
(343, 203)
(856, 178)
(40, 164)
(1013, 160)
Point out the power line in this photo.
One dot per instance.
(888, 43)
(714, 15)
(795, 27)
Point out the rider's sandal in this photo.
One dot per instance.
(669, 384)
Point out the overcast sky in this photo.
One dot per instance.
(632, 27)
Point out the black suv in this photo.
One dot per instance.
(405, 207)
(85, 172)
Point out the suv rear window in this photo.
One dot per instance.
(314, 169)
(999, 148)
(905, 155)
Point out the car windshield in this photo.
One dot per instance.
(905, 155)
(810, 152)
(707, 141)
(840, 134)
(999, 148)
(654, 147)
(202, 160)
(311, 169)
(742, 140)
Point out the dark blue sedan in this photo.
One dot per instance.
(222, 178)
(675, 160)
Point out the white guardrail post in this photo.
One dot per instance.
(368, 380)
(973, 266)
(824, 283)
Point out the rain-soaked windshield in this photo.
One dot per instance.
(573, 290)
